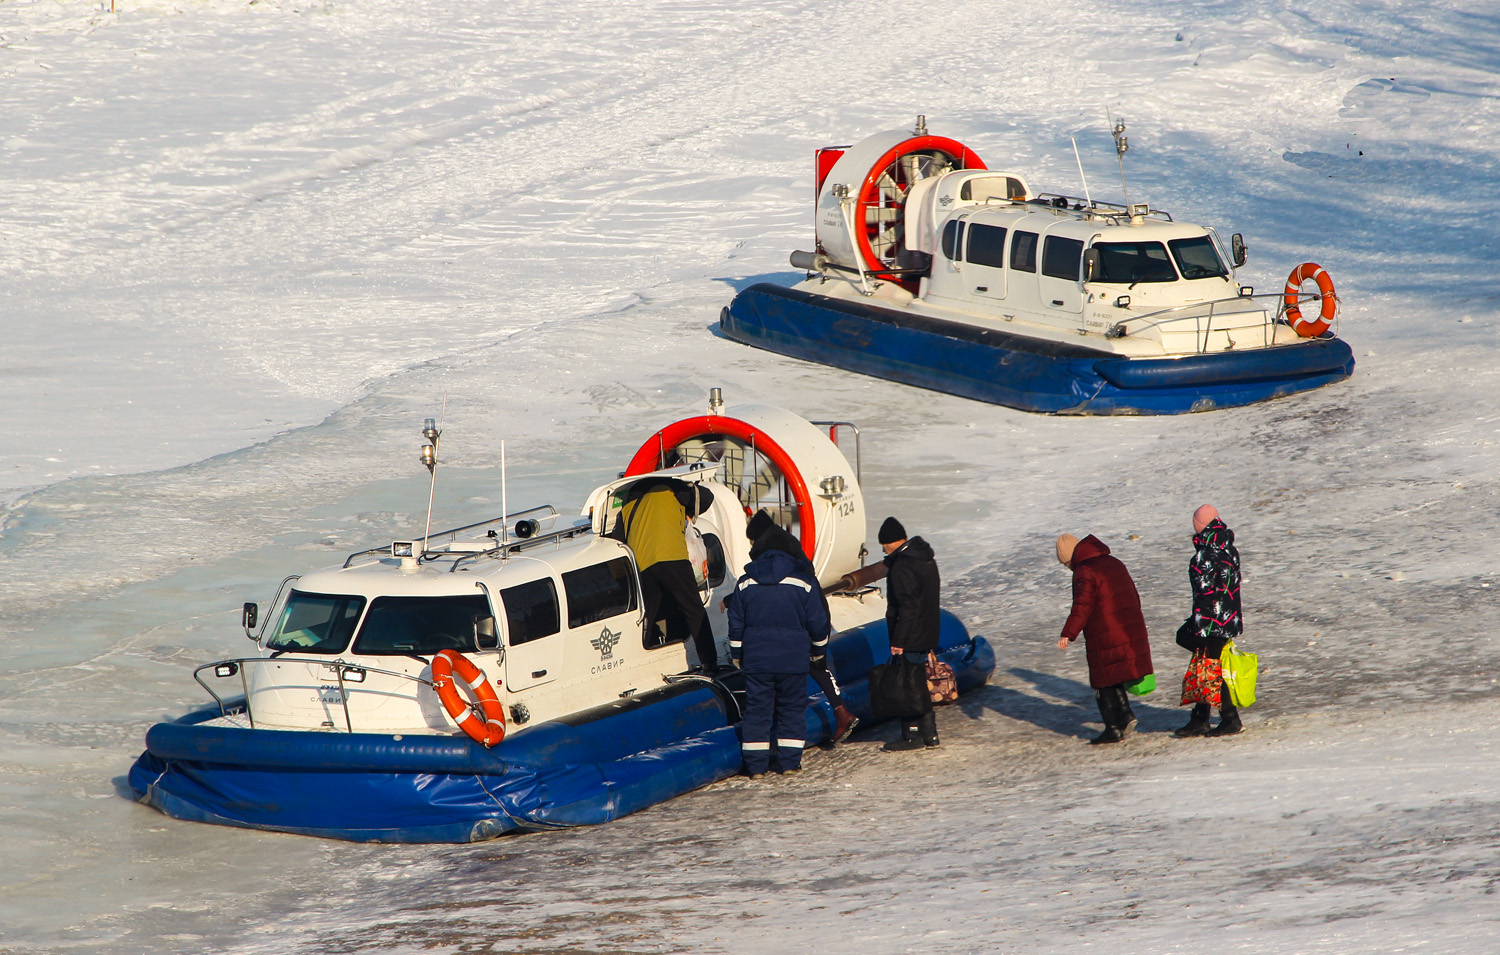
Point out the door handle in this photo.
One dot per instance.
(981, 288)
(1057, 301)
(538, 673)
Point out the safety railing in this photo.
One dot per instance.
(1203, 314)
(1098, 207)
(546, 510)
(344, 674)
(833, 435)
(518, 543)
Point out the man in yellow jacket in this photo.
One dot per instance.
(655, 530)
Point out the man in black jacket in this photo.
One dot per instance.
(911, 618)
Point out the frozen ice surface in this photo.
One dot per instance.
(245, 247)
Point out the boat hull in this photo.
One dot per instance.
(589, 768)
(1017, 371)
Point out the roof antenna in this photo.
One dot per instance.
(504, 508)
(1086, 196)
(431, 430)
(1121, 145)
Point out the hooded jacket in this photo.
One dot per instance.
(777, 618)
(1107, 611)
(911, 597)
(779, 538)
(1214, 572)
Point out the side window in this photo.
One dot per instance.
(1060, 257)
(530, 611)
(986, 245)
(600, 591)
(953, 238)
(1023, 251)
(718, 566)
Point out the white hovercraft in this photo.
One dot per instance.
(933, 270)
(501, 676)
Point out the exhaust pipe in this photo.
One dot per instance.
(863, 577)
(809, 261)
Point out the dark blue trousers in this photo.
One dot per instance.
(774, 702)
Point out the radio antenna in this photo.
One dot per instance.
(1121, 145)
(1086, 196)
(432, 430)
(504, 509)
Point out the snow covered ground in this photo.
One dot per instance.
(247, 245)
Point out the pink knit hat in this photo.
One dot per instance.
(1202, 516)
(1065, 545)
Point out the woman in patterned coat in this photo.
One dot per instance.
(1214, 572)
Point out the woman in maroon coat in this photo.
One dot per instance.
(1107, 611)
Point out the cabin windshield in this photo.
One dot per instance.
(1197, 258)
(1127, 263)
(316, 623)
(402, 626)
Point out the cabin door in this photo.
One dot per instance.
(533, 635)
(604, 617)
(946, 279)
(984, 258)
(1058, 278)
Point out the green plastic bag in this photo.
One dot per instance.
(1142, 686)
(1240, 670)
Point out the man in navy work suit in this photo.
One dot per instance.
(777, 622)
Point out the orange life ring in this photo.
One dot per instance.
(489, 730)
(1308, 328)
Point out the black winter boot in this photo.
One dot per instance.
(911, 738)
(928, 729)
(1123, 711)
(1109, 712)
(1197, 724)
(1229, 715)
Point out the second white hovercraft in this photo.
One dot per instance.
(933, 270)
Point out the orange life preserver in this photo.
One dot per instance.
(489, 730)
(1308, 328)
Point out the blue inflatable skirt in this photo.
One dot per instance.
(586, 769)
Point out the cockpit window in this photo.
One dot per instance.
(402, 626)
(1197, 258)
(1127, 263)
(316, 623)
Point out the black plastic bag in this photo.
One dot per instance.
(899, 689)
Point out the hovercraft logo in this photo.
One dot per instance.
(605, 643)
